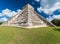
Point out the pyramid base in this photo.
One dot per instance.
(30, 26)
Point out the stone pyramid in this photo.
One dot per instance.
(28, 18)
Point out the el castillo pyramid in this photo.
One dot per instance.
(28, 18)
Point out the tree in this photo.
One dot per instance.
(56, 22)
(1, 23)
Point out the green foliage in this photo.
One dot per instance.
(14, 35)
(56, 22)
(56, 29)
(1, 23)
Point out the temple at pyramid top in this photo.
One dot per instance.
(28, 18)
(28, 6)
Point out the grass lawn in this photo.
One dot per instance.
(44, 35)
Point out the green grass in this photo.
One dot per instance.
(44, 35)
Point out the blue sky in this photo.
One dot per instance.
(49, 9)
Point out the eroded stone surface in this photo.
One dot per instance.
(28, 18)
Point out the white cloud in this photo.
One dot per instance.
(50, 18)
(45, 10)
(1, 14)
(3, 19)
(9, 13)
(37, 0)
(48, 7)
(49, 11)
(56, 16)
(44, 3)
(18, 10)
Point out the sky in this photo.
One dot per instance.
(49, 9)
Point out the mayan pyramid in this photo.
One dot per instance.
(28, 18)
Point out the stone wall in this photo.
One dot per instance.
(21, 20)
